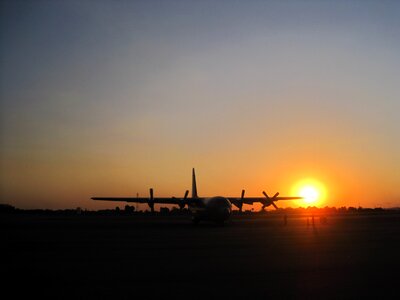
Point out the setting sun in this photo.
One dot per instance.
(313, 191)
(310, 194)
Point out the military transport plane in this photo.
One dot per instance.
(217, 209)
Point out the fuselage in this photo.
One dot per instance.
(217, 209)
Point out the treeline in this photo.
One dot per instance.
(329, 210)
(129, 210)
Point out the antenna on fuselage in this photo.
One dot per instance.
(194, 187)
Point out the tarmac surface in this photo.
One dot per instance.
(352, 256)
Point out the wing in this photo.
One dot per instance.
(251, 200)
(150, 201)
(171, 200)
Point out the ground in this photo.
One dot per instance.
(83, 256)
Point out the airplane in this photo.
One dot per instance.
(217, 209)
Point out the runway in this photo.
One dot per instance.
(83, 256)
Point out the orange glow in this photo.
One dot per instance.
(312, 190)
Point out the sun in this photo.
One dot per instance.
(312, 190)
(309, 193)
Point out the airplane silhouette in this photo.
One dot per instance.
(217, 209)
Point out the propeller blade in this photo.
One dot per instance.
(240, 204)
(183, 202)
(270, 200)
(274, 196)
(151, 201)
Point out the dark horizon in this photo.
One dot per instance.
(4, 207)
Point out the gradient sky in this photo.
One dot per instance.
(113, 97)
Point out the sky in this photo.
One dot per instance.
(110, 98)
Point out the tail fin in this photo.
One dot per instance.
(194, 187)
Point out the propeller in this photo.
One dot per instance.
(151, 201)
(269, 201)
(183, 202)
(240, 204)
